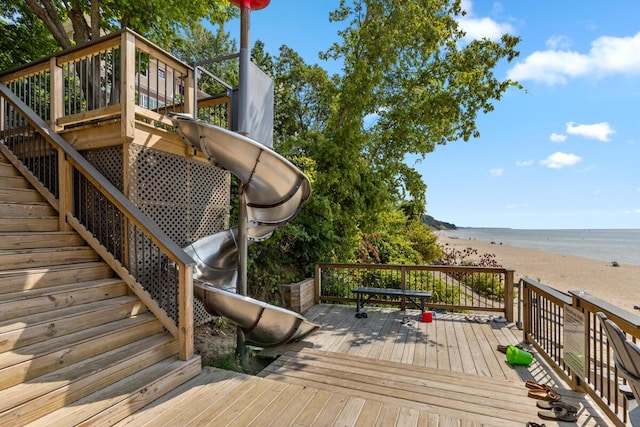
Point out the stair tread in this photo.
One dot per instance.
(44, 250)
(63, 313)
(8, 202)
(41, 270)
(33, 351)
(67, 384)
(37, 293)
(118, 400)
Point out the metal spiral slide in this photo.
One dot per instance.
(275, 190)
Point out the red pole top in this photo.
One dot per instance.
(251, 4)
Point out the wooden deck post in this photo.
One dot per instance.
(127, 85)
(318, 283)
(185, 310)
(403, 286)
(189, 106)
(57, 94)
(526, 311)
(508, 294)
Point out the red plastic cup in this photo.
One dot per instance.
(427, 317)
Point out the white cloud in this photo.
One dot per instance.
(634, 211)
(524, 162)
(607, 56)
(557, 137)
(599, 131)
(496, 171)
(478, 28)
(558, 160)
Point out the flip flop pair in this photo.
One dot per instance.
(542, 392)
(536, 386)
(548, 395)
(549, 405)
(503, 348)
(559, 414)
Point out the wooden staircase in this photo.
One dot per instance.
(76, 347)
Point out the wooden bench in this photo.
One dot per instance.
(365, 294)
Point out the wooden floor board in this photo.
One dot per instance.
(378, 371)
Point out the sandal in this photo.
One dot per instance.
(503, 348)
(536, 386)
(542, 404)
(559, 414)
(532, 424)
(549, 395)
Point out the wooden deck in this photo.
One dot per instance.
(389, 369)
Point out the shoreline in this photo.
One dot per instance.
(616, 285)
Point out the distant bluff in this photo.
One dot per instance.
(436, 224)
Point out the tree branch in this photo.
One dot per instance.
(49, 15)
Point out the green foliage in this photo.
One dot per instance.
(24, 37)
(487, 285)
(444, 294)
(162, 21)
(227, 361)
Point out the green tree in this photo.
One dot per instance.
(24, 37)
(162, 21)
(408, 84)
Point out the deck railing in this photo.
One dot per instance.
(485, 289)
(565, 330)
(122, 75)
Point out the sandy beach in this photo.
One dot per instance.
(617, 285)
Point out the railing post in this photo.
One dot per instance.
(127, 85)
(189, 105)
(318, 283)
(526, 310)
(403, 286)
(508, 294)
(185, 307)
(64, 168)
(57, 94)
(65, 190)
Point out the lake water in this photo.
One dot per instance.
(618, 245)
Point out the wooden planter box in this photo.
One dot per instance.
(299, 297)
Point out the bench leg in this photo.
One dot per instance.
(360, 304)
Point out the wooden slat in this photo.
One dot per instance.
(19, 195)
(17, 182)
(201, 411)
(113, 402)
(7, 170)
(43, 326)
(44, 224)
(30, 240)
(96, 114)
(38, 278)
(237, 413)
(25, 210)
(214, 380)
(42, 358)
(15, 305)
(40, 396)
(275, 408)
(28, 258)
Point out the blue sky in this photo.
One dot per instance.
(564, 153)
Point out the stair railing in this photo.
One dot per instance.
(124, 235)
